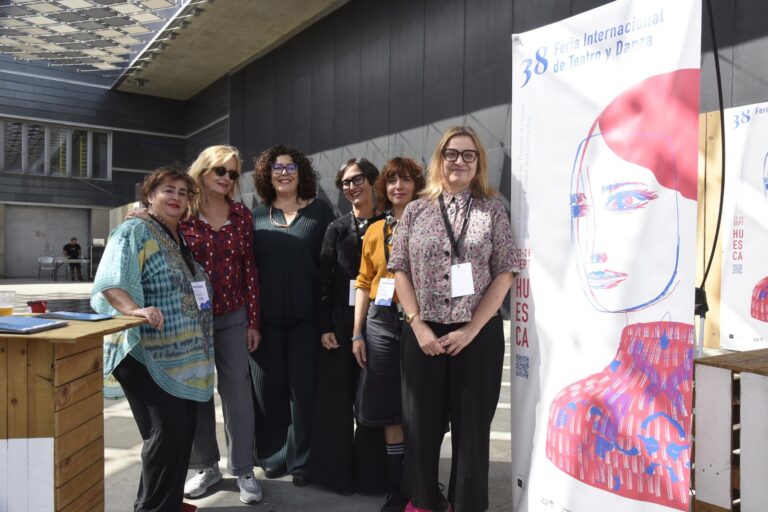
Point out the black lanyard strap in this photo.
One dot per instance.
(454, 241)
(388, 237)
(186, 253)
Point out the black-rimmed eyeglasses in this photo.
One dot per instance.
(221, 171)
(277, 169)
(468, 155)
(356, 180)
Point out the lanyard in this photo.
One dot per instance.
(359, 228)
(454, 241)
(388, 238)
(186, 254)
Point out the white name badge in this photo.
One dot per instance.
(201, 295)
(352, 291)
(385, 292)
(461, 280)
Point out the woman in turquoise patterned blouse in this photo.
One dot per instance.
(165, 367)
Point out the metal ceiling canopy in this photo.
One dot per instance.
(168, 48)
(205, 42)
(99, 38)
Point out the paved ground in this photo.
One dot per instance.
(123, 444)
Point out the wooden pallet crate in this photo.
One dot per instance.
(731, 429)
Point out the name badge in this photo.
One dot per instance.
(201, 295)
(352, 291)
(385, 292)
(461, 280)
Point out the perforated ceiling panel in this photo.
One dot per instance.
(89, 36)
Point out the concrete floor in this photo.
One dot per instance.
(123, 444)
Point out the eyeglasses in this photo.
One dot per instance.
(277, 169)
(468, 155)
(356, 180)
(221, 171)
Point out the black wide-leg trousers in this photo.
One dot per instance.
(167, 426)
(463, 389)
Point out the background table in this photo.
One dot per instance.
(59, 261)
(51, 417)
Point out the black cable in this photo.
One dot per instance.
(702, 307)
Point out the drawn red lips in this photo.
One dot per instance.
(604, 279)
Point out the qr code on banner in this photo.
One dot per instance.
(522, 363)
(738, 268)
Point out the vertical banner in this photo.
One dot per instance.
(604, 170)
(744, 285)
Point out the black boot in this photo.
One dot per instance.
(396, 497)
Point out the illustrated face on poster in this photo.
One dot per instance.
(610, 195)
(625, 429)
(759, 305)
(765, 175)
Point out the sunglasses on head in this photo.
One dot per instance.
(221, 171)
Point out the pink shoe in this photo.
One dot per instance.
(444, 506)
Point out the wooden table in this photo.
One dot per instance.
(52, 418)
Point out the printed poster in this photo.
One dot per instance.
(604, 144)
(744, 285)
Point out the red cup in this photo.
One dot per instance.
(37, 306)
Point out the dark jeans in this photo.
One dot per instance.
(167, 426)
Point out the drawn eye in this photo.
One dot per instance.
(628, 200)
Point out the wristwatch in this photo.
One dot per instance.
(410, 316)
(357, 337)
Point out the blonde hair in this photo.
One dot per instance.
(479, 186)
(213, 156)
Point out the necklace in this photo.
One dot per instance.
(361, 223)
(282, 224)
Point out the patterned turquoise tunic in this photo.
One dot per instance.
(143, 260)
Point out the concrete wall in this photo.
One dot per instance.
(34, 231)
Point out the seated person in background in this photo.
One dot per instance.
(72, 251)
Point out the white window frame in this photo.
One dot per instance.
(69, 130)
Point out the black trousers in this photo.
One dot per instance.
(167, 426)
(464, 390)
(76, 271)
(283, 372)
(343, 458)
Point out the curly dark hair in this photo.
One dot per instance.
(171, 172)
(366, 167)
(262, 178)
(398, 167)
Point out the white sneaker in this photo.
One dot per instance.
(199, 484)
(250, 489)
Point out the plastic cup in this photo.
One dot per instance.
(6, 303)
(37, 306)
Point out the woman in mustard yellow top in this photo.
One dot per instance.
(378, 402)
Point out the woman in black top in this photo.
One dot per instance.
(288, 233)
(344, 458)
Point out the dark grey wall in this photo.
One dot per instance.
(157, 128)
(206, 119)
(378, 79)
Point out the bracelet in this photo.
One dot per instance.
(357, 337)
